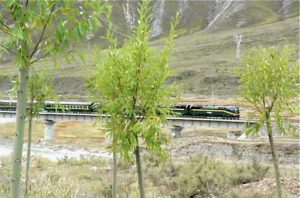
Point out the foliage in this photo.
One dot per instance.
(243, 174)
(259, 171)
(131, 81)
(270, 82)
(201, 176)
(32, 30)
(35, 29)
(256, 193)
(40, 86)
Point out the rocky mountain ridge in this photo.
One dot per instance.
(213, 15)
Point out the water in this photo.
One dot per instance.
(53, 153)
(6, 120)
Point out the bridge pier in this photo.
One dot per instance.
(176, 131)
(49, 133)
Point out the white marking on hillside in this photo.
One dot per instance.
(129, 16)
(158, 18)
(225, 6)
(285, 9)
(238, 40)
(182, 6)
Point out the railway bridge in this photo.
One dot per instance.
(175, 123)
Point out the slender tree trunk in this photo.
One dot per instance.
(139, 170)
(28, 148)
(115, 169)
(275, 161)
(19, 135)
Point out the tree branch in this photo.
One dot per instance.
(273, 102)
(6, 26)
(39, 58)
(6, 29)
(7, 49)
(263, 100)
(257, 108)
(47, 54)
(43, 31)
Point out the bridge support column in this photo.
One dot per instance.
(49, 133)
(176, 131)
(108, 140)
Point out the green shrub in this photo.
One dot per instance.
(4, 184)
(202, 176)
(242, 174)
(252, 194)
(259, 171)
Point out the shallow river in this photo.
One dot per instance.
(4, 120)
(52, 153)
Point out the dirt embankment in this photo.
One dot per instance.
(247, 150)
(69, 85)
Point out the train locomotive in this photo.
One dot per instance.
(183, 110)
(206, 111)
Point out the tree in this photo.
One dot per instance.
(131, 82)
(32, 30)
(40, 87)
(269, 78)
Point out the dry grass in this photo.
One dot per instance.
(81, 134)
(7, 130)
(162, 178)
(200, 176)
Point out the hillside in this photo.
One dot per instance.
(205, 54)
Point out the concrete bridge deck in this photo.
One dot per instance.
(178, 123)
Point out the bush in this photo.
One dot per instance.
(4, 184)
(52, 185)
(242, 174)
(252, 194)
(201, 176)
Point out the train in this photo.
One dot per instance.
(206, 111)
(53, 106)
(184, 110)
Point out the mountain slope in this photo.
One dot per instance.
(205, 54)
(213, 15)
